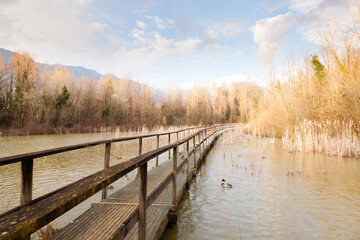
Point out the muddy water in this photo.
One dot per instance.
(53, 172)
(275, 194)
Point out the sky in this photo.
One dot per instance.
(170, 43)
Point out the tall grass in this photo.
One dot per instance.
(338, 138)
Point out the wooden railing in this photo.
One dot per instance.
(33, 214)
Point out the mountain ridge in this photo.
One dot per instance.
(78, 71)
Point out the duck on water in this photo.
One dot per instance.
(225, 185)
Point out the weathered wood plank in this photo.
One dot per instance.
(26, 181)
(187, 163)
(142, 201)
(106, 165)
(175, 167)
(157, 147)
(169, 149)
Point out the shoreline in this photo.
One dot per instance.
(47, 130)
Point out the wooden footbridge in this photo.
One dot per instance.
(140, 210)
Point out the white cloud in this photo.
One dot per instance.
(161, 23)
(232, 28)
(97, 26)
(319, 16)
(140, 24)
(229, 29)
(310, 17)
(156, 45)
(210, 35)
(57, 26)
(270, 32)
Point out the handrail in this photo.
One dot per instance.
(32, 155)
(44, 209)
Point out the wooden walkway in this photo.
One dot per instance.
(140, 210)
(107, 219)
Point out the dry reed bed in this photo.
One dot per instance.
(338, 138)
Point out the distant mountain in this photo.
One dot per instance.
(78, 71)
(6, 55)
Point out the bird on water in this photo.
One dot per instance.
(225, 185)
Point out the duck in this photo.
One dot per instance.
(225, 185)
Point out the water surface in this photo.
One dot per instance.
(275, 194)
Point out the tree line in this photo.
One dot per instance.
(46, 98)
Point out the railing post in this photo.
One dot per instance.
(157, 147)
(199, 137)
(170, 149)
(140, 146)
(140, 151)
(187, 161)
(26, 180)
(206, 143)
(203, 139)
(194, 146)
(174, 177)
(142, 201)
(106, 165)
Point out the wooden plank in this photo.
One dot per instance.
(106, 165)
(26, 181)
(142, 201)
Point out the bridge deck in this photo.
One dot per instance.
(108, 218)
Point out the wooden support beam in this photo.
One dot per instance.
(206, 143)
(142, 201)
(26, 181)
(157, 147)
(203, 139)
(26, 184)
(170, 149)
(199, 137)
(187, 162)
(140, 146)
(106, 165)
(174, 177)
(140, 152)
(194, 145)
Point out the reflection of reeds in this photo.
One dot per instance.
(337, 138)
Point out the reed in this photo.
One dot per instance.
(338, 138)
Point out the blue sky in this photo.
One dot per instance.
(164, 43)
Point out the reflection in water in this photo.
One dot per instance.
(275, 194)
